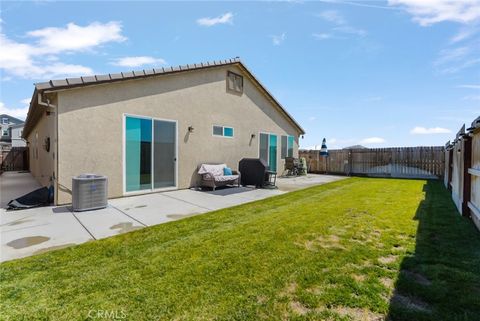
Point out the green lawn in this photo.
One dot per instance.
(357, 249)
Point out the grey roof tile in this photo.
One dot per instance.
(116, 76)
(88, 79)
(103, 78)
(149, 72)
(128, 74)
(59, 82)
(74, 81)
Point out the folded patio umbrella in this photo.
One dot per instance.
(39, 197)
(324, 150)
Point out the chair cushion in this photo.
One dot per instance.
(227, 171)
(225, 178)
(215, 170)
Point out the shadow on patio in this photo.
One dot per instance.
(441, 280)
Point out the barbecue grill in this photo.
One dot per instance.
(255, 171)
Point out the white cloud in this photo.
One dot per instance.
(465, 33)
(373, 140)
(332, 16)
(472, 97)
(76, 38)
(26, 101)
(428, 131)
(351, 30)
(428, 12)
(374, 98)
(312, 118)
(20, 113)
(469, 86)
(278, 39)
(342, 25)
(222, 19)
(322, 36)
(138, 61)
(40, 60)
(452, 60)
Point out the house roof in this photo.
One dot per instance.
(69, 83)
(12, 119)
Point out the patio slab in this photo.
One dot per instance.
(157, 208)
(289, 184)
(38, 230)
(213, 200)
(107, 222)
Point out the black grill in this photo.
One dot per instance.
(254, 172)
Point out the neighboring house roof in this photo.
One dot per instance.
(18, 125)
(69, 83)
(11, 119)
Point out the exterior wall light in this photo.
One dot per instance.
(252, 136)
(190, 129)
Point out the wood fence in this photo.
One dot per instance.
(401, 162)
(462, 171)
(14, 159)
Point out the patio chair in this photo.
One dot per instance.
(291, 166)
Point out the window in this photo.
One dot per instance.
(5, 121)
(287, 146)
(222, 131)
(284, 146)
(234, 82)
(5, 132)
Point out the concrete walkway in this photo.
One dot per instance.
(15, 184)
(33, 231)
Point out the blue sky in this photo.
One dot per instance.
(377, 73)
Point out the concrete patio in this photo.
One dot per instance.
(33, 231)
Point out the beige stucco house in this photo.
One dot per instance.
(148, 131)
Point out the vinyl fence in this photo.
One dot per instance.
(401, 162)
(462, 171)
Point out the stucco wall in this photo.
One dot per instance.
(42, 163)
(90, 124)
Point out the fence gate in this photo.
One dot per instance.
(14, 159)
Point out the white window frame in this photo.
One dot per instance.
(4, 121)
(223, 131)
(4, 132)
(124, 157)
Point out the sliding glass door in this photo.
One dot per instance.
(164, 153)
(268, 149)
(138, 160)
(150, 154)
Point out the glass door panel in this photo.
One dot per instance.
(264, 147)
(138, 154)
(164, 153)
(272, 153)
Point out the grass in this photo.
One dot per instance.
(358, 249)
